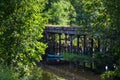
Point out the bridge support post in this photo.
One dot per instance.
(71, 44)
(46, 37)
(92, 42)
(59, 43)
(53, 43)
(78, 43)
(84, 47)
(47, 40)
(98, 44)
(66, 43)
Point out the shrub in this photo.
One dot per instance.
(21, 28)
(109, 75)
(7, 73)
(101, 60)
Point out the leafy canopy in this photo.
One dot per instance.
(21, 27)
(61, 13)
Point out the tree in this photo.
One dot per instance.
(78, 6)
(61, 13)
(113, 9)
(21, 27)
(105, 19)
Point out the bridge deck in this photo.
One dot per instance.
(66, 30)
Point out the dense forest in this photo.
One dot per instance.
(22, 23)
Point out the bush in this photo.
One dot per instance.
(101, 60)
(76, 57)
(21, 28)
(35, 73)
(10, 73)
(7, 73)
(109, 75)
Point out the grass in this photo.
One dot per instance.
(76, 57)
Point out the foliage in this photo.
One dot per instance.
(36, 73)
(77, 57)
(22, 23)
(109, 75)
(61, 13)
(21, 27)
(103, 16)
(7, 73)
(114, 29)
(117, 71)
(101, 60)
(70, 56)
(80, 14)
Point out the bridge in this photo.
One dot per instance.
(73, 39)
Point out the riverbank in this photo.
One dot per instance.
(70, 73)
